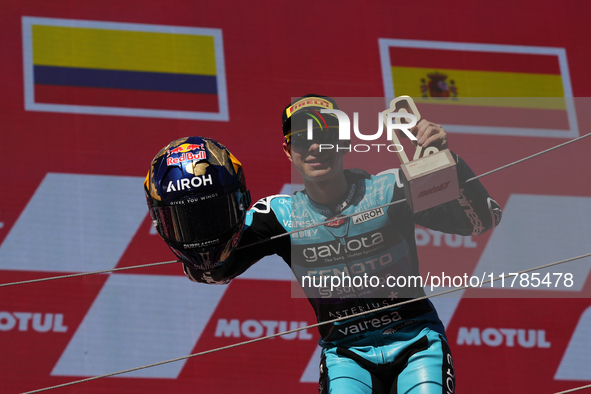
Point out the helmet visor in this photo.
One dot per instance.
(196, 220)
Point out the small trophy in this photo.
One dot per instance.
(430, 179)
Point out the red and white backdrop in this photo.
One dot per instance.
(91, 90)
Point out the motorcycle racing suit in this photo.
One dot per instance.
(396, 347)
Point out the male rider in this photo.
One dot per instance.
(397, 350)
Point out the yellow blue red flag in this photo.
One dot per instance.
(123, 69)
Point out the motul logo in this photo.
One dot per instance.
(435, 189)
(503, 336)
(24, 321)
(257, 328)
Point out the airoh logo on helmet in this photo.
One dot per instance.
(187, 184)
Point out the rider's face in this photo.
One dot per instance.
(316, 162)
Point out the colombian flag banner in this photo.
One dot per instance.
(483, 88)
(123, 69)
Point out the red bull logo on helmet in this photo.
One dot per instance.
(187, 153)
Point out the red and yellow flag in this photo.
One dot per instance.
(481, 86)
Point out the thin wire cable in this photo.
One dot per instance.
(87, 273)
(575, 389)
(404, 199)
(297, 329)
(304, 228)
(529, 157)
(319, 224)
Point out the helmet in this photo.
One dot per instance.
(197, 197)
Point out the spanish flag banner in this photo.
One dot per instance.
(123, 69)
(483, 88)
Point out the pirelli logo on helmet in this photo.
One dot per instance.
(308, 102)
(365, 216)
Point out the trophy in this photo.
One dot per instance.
(430, 179)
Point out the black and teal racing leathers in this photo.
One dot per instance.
(401, 349)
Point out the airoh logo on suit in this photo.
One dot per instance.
(369, 215)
